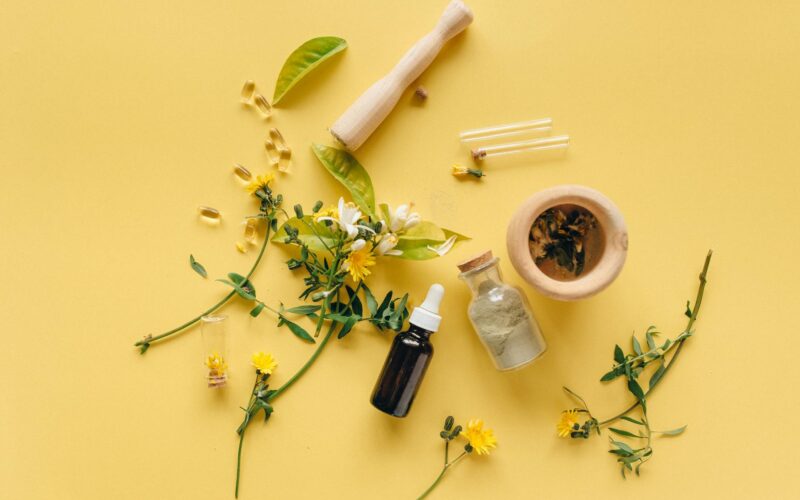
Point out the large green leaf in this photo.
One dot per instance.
(346, 169)
(303, 60)
(324, 235)
(414, 244)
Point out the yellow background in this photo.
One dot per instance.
(118, 118)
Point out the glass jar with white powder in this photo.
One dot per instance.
(500, 315)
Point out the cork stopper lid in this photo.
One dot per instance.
(476, 261)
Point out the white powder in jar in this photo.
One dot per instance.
(505, 326)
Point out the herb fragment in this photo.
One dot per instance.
(198, 267)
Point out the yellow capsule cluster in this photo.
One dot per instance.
(278, 152)
(253, 98)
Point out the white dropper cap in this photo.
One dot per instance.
(426, 316)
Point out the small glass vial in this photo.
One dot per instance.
(215, 351)
(500, 315)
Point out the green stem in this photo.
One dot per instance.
(695, 310)
(307, 365)
(434, 485)
(447, 465)
(150, 340)
(241, 435)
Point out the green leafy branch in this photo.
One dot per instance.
(631, 366)
(268, 212)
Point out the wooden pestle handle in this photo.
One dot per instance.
(369, 110)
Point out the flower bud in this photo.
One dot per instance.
(298, 210)
(448, 423)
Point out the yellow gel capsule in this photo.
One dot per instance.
(263, 105)
(284, 159)
(209, 215)
(241, 172)
(241, 247)
(277, 138)
(273, 155)
(247, 90)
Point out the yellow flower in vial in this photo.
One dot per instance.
(358, 262)
(212, 331)
(264, 363)
(480, 440)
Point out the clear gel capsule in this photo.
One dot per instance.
(251, 231)
(277, 139)
(242, 173)
(247, 90)
(273, 155)
(209, 215)
(284, 159)
(263, 105)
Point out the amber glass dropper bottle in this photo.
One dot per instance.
(408, 359)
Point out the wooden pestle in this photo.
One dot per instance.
(365, 115)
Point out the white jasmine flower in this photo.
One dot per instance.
(403, 218)
(347, 219)
(445, 247)
(357, 245)
(387, 244)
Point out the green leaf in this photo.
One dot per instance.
(257, 309)
(637, 347)
(244, 287)
(198, 267)
(610, 376)
(372, 304)
(346, 169)
(632, 420)
(657, 375)
(688, 312)
(384, 304)
(347, 326)
(304, 310)
(622, 446)
(651, 343)
(304, 59)
(636, 389)
(619, 356)
(237, 283)
(673, 432)
(339, 318)
(324, 235)
(399, 308)
(415, 242)
(622, 432)
(298, 330)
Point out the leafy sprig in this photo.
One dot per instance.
(631, 366)
(269, 205)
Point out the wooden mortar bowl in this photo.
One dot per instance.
(614, 247)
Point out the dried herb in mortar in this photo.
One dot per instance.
(560, 236)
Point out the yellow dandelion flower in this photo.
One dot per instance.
(481, 440)
(330, 211)
(216, 364)
(259, 182)
(264, 363)
(565, 426)
(357, 263)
